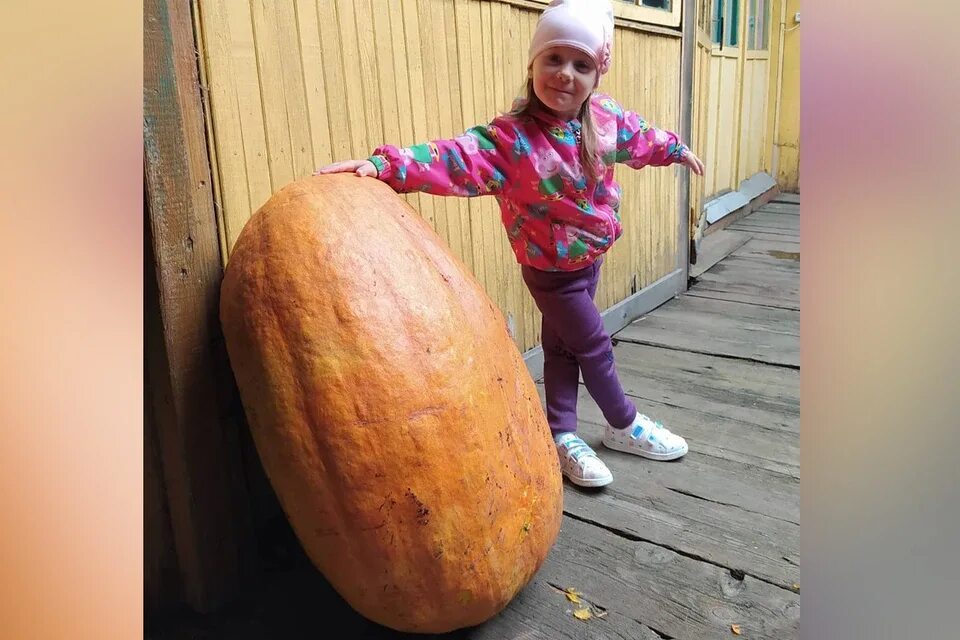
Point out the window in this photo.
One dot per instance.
(757, 25)
(665, 12)
(661, 12)
(726, 22)
(704, 7)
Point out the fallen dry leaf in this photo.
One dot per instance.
(735, 628)
(796, 586)
(572, 595)
(582, 614)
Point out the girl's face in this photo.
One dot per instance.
(563, 78)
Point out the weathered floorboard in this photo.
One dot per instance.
(675, 595)
(721, 327)
(774, 237)
(713, 386)
(740, 280)
(775, 450)
(716, 247)
(779, 249)
(772, 220)
(643, 591)
(780, 207)
(679, 505)
(792, 198)
(784, 233)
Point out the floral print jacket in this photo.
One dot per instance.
(556, 218)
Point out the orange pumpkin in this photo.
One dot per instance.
(392, 412)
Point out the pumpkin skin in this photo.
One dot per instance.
(393, 414)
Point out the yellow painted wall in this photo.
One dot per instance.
(700, 134)
(752, 115)
(739, 115)
(784, 162)
(295, 85)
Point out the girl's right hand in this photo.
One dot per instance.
(363, 168)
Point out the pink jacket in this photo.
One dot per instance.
(555, 217)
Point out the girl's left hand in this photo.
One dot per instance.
(363, 168)
(695, 164)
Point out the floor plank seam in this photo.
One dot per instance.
(663, 635)
(706, 353)
(788, 476)
(687, 293)
(703, 413)
(691, 292)
(767, 230)
(728, 504)
(737, 574)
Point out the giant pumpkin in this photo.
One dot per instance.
(392, 413)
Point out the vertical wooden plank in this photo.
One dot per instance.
(226, 130)
(466, 117)
(484, 111)
(395, 82)
(372, 105)
(739, 91)
(315, 89)
(492, 104)
(386, 78)
(710, 129)
(409, 30)
(645, 181)
(270, 65)
(160, 589)
(294, 89)
(674, 177)
(392, 31)
(434, 65)
(451, 119)
(254, 133)
(743, 139)
(687, 84)
(200, 459)
(353, 106)
(507, 80)
(530, 314)
(759, 125)
(619, 259)
(460, 239)
(338, 104)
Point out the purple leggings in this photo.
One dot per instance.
(575, 341)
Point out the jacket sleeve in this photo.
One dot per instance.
(471, 164)
(639, 144)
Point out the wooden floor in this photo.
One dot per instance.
(683, 549)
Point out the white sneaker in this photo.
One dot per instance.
(580, 463)
(645, 438)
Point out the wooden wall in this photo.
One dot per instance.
(291, 86)
(700, 133)
(722, 122)
(737, 140)
(753, 139)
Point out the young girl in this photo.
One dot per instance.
(549, 163)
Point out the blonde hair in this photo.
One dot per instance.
(589, 158)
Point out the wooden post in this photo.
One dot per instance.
(688, 47)
(201, 466)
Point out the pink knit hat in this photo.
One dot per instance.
(586, 25)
